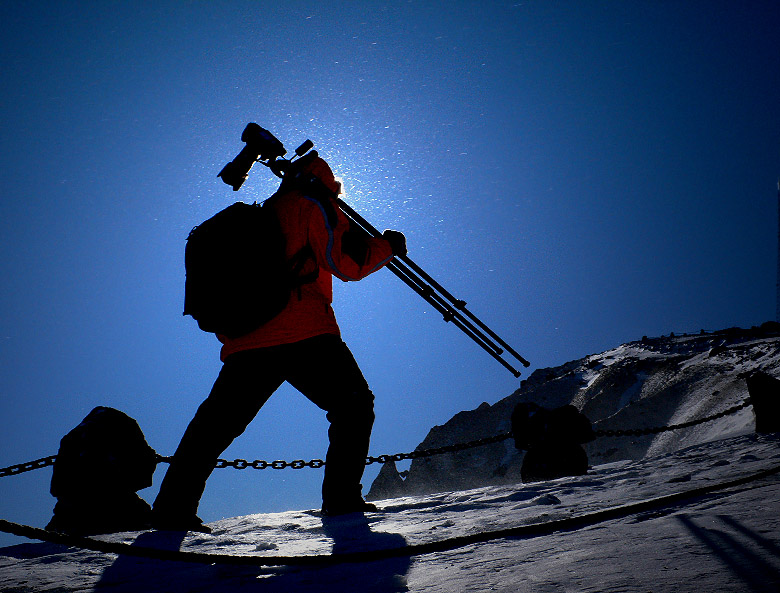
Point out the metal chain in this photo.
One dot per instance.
(260, 464)
(439, 450)
(638, 432)
(15, 470)
(318, 463)
(418, 454)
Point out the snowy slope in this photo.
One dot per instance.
(653, 382)
(725, 541)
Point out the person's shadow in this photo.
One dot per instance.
(753, 559)
(350, 534)
(353, 534)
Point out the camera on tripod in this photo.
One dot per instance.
(263, 147)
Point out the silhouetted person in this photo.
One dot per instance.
(302, 346)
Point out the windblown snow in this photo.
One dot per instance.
(726, 539)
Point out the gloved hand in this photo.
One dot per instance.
(397, 241)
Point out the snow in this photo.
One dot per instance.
(724, 541)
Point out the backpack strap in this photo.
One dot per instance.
(298, 261)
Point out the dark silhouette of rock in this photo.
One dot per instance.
(553, 439)
(100, 466)
(765, 397)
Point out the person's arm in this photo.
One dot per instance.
(348, 253)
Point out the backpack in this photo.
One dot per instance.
(237, 275)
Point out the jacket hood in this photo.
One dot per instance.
(317, 167)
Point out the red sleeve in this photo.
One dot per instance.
(325, 239)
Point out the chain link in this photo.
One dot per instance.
(417, 454)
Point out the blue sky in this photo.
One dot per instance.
(582, 173)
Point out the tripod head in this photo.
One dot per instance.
(264, 148)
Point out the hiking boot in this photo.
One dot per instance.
(346, 508)
(179, 523)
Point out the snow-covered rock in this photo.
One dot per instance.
(654, 382)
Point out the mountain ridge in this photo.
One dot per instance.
(651, 382)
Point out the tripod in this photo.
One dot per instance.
(263, 147)
(452, 309)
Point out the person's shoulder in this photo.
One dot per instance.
(290, 199)
(303, 206)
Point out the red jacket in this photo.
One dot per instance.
(309, 313)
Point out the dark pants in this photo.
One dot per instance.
(321, 368)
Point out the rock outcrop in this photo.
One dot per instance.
(653, 382)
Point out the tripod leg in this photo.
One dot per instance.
(427, 288)
(476, 337)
